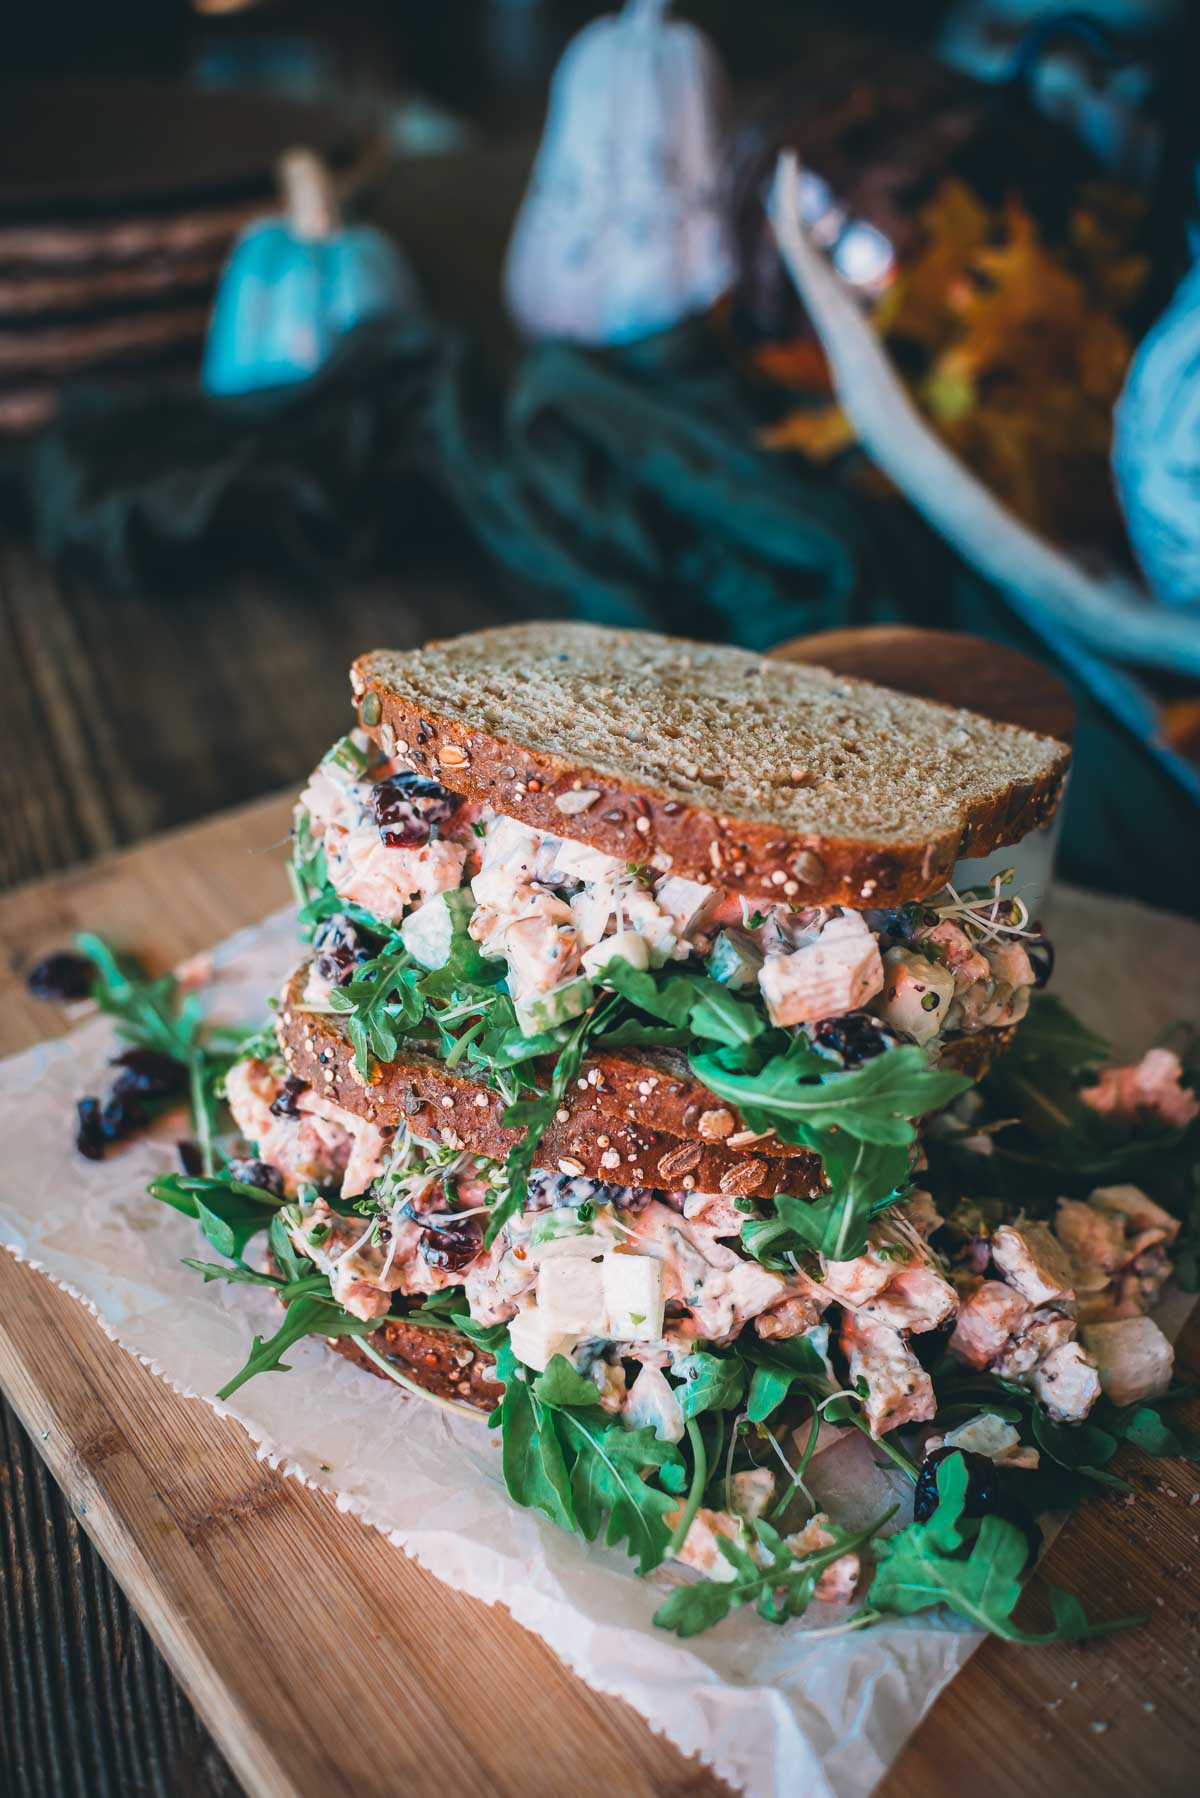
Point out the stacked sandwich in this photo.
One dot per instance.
(634, 966)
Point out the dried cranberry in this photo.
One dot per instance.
(256, 1173)
(411, 808)
(190, 1158)
(985, 1495)
(283, 1105)
(451, 1246)
(123, 1114)
(89, 1137)
(1040, 951)
(982, 1491)
(858, 1036)
(340, 947)
(61, 976)
(146, 1074)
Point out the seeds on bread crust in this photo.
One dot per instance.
(924, 783)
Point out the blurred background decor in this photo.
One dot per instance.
(296, 283)
(119, 202)
(624, 230)
(997, 199)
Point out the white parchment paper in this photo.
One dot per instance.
(774, 1710)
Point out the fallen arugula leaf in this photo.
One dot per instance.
(972, 1565)
(156, 1013)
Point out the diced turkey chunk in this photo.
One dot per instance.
(899, 1391)
(1133, 1356)
(752, 1492)
(916, 994)
(792, 1318)
(853, 1282)
(688, 903)
(1094, 1239)
(838, 1581)
(1037, 1334)
(534, 1341)
(837, 972)
(986, 1321)
(1145, 1220)
(958, 952)
(701, 1547)
(385, 881)
(1153, 1086)
(921, 1212)
(918, 1299)
(1034, 1262)
(1066, 1383)
(987, 1435)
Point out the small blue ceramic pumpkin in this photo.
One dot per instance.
(294, 285)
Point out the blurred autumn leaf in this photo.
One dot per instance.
(1014, 351)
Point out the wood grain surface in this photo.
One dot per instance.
(252, 1586)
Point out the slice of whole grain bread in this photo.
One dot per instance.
(767, 778)
(634, 1119)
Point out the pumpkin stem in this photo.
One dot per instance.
(308, 196)
(644, 14)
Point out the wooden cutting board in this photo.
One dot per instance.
(325, 1662)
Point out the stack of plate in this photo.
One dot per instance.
(119, 202)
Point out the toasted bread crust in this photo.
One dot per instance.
(443, 1362)
(635, 823)
(647, 1111)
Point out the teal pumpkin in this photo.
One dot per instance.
(294, 285)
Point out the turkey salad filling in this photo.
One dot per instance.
(379, 847)
(951, 1335)
(709, 1377)
(616, 1279)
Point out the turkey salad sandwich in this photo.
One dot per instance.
(639, 1019)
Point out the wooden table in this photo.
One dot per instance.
(194, 1546)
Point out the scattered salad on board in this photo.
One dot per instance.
(649, 1086)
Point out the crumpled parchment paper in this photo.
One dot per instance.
(773, 1710)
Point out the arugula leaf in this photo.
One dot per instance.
(1147, 1429)
(778, 1366)
(875, 1103)
(711, 1383)
(632, 1033)
(156, 1013)
(669, 999)
(308, 1314)
(693, 1002)
(972, 1565)
(608, 1476)
(716, 1013)
(531, 1454)
(783, 1588)
(565, 1456)
(1051, 1033)
(561, 1385)
(228, 1211)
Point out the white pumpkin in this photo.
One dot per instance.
(1156, 448)
(624, 230)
